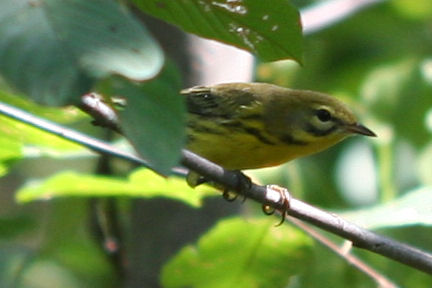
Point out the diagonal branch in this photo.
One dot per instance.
(360, 237)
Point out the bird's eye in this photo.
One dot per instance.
(323, 115)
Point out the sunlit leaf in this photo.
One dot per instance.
(141, 184)
(420, 9)
(10, 151)
(21, 136)
(18, 140)
(239, 253)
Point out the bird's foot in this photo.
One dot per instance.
(283, 196)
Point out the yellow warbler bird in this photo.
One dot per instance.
(254, 125)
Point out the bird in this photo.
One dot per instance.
(255, 125)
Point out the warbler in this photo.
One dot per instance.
(254, 125)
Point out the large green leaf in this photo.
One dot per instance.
(270, 30)
(238, 253)
(54, 50)
(154, 118)
(143, 183)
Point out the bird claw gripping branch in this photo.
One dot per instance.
(277, 194)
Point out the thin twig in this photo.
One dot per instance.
(381, 280)
(360, 237)
(105, 226)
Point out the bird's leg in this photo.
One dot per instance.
(284, 197)
(243, 184)
(194, 179)
(279, 195)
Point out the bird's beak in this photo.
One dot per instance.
(360, 129)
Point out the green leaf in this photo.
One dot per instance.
(10, 150)
(420, 9)
(272, 31)
(64, 115)
(154, 119)
(239, 253)
(83, 257)
(143, 184)
(53, 50)
(20, 138)
(414, 208)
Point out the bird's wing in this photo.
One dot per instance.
(226, 102)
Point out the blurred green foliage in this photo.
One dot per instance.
(71, 39)
(378, 60)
